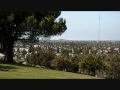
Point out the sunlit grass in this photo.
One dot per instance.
(9, 71)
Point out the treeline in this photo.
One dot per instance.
(90, 64)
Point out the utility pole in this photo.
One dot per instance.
(98, 42)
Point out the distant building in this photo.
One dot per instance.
(2, 56)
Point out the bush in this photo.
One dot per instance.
(113, 65)
(61, 63)
(41, 58)
(91, 63)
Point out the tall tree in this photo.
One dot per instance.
(17, 25)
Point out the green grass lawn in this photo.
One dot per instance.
(9, 71)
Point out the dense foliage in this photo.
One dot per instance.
(21, 25)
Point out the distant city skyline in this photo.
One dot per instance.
(84, 25)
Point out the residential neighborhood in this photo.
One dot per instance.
(69, 47)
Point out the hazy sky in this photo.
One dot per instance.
(84, 25)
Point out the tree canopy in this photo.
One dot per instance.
(22, 25)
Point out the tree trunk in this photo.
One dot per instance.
(9, 53)
(94, 73)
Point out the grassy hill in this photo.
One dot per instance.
(10, 71)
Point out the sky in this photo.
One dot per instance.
(84, 25)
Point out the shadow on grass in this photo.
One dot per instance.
(13, 67)
(7, 68)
